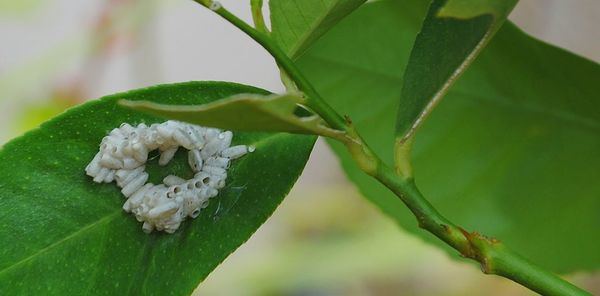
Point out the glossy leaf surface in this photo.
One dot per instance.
(63, 234)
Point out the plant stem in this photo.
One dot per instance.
(314, 100)
(493, 256)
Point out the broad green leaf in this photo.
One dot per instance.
(297, 24)
(63, 234)
(513, 151)
(241, 112)
(452, 35)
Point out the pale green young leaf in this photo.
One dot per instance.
(513, 151)
(297, 24)
(451, 36)
(242, 112)
(63, 234)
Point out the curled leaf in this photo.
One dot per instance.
(452, 35)
(243, 112)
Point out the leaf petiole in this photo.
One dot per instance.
(257, 16)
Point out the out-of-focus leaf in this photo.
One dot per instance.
(64, 234)
(513, 151)
(297, 24)
(9, 7)
(42, 70)
(452, 35)
(33, 115)
(242, 112)
(14, 84)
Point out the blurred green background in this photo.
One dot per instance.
(324, 239)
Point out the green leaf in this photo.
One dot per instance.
(513, 151)
(63, 234)
(466, 9)
(8, 7)
(297, 24)
(452, 35)
(241, 112)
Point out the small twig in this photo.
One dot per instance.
(257, 16)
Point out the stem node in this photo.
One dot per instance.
(363, 157)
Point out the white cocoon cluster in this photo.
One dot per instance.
(124, 152)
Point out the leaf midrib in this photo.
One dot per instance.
(106, 218)
(567, 117)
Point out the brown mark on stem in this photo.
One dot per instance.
(476, 248)
(348, 119)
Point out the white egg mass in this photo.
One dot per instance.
(123, 155)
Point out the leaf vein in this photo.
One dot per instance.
(59, 242)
